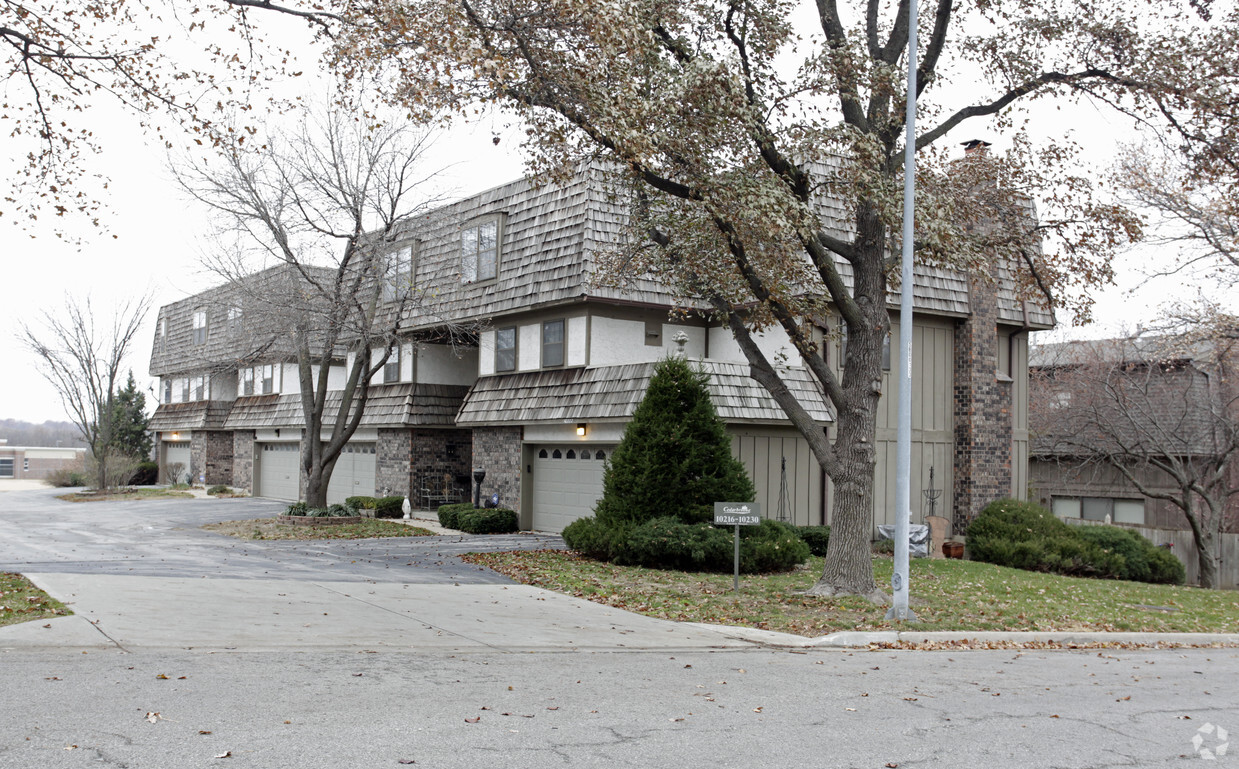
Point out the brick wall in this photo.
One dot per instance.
(498, 451)
(392, 463)
(243, 460)
(982, 411)
(197, 456)
(218, 461)
(436, 453)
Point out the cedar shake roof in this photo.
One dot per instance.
(396, 405)
(197, 415)
(611, 393)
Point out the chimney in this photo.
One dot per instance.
(976, 146)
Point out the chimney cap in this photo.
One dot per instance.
(975, 144)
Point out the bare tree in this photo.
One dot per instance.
(1162, 412)
(83, 360)
(330, 204)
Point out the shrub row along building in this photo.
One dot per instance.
(526, 363)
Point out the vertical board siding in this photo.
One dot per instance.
(1184, 548)
(762, 455)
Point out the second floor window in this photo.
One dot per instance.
(167, 391)
(479, 251)
(391, 369)
(199, 388)
(247, 381)
(267, 373)
(505, 349)
(553, 343)
(200, 327)
(185, 390)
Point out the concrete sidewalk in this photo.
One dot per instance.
(129, 613)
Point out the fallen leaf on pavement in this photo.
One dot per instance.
(153, 717)
(225, 754)
(473, 720)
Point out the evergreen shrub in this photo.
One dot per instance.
(146, 475)
(389, 507)
(488, 520)
(449, 515)
(361, 503)
(816, 537)
(297, 508)
(1024, 535)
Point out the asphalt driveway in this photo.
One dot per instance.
(143, 574)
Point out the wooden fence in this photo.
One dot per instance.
(1184, 548)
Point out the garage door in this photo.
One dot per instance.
(278, 471)
(567, 481)
(354, 473)
(176, 452)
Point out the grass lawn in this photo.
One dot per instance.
(21, 601)
(269, 528)
(125, 494)
(945, 594)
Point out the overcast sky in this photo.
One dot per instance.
(155, 238)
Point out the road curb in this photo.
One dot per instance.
(976, 639)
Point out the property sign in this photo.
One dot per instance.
(737, 513)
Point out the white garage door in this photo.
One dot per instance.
(278, 471)
(176, 452)
(354, 473)
(567, 481)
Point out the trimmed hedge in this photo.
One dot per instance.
(361, 503)
(816, 537)
(389, 507)
(463, 516)
(1024, 535)
(147, 474)
(670, 543)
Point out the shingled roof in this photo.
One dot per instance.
(611, 393)
(398, 405)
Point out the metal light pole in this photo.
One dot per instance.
(903, 439)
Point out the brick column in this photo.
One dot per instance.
(498, 451)
(394, 462)
(982, 406)
(218, 460)
(243, 460)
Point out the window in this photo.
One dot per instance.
(886, 352)
(267, 373)
(199, 384)
(505, 349)
(185, 390)
(1097, 508)
(167, 391)
(398, 273)
(479, 251)
(553, 343)
(200, 327)
(247, 381)
(234, 318)
(391, 369)
(163, 335)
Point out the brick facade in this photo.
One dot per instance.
(497, 450)
(197, 457)
(218, 461)
(982, 411)
(243, 460)
(392, 461)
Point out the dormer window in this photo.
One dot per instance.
(398, 273)
(479, 251)
(200, 327)
(163, 335)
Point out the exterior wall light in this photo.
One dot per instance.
(176, 436)
(580, 429)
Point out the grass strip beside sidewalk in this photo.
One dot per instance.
(21, 601)
(946, 595)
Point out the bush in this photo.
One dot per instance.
(816, 537)
(219, 489)
(65, 477)
(297, 508)
(341, 511)
(147, 474)
(389, 507)
(361, 503)
(1023, 535)
(449, 515)
(669, 543)
(1142, 559)
(493, 520)
(594, 539)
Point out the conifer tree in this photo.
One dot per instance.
(675, 457)
(130, 421)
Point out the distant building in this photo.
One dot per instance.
(37, 462)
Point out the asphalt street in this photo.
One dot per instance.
(190, 649)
